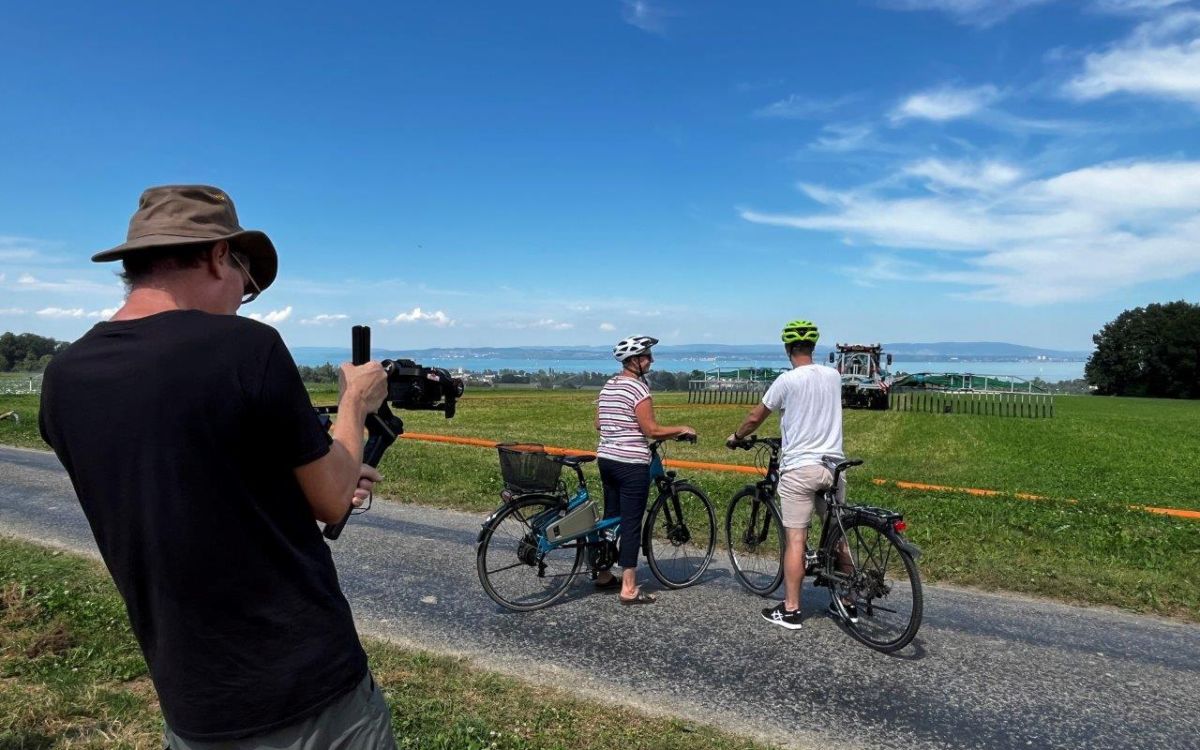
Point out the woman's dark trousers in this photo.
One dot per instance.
(626, 488)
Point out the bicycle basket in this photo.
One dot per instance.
(526, 467)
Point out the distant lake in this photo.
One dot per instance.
(1048, 371)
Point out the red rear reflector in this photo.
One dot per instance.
(899, 526)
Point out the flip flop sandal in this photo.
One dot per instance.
(641, 598)
(613, 584)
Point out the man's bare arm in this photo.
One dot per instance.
(756, 417)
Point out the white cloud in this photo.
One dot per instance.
(552, 324)
(27, 282)
(842, 138)
(545, 323)
(945, 103)
(1024, 241)
(988, 175)
(1133, 6)
(324, 319)
(646, 16)
(1161, 58)
(74, 312)
(11, 310)
(60, 312)
(798, 107)
(417, 315)
(273, 317)
(968, 12)
(607, 327)
(20, 249)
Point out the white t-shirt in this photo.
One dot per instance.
(809, 401)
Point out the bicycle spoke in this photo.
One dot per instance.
(682, 535)
(513, 570)
(755, 537)
(506, 567)
(884, 586)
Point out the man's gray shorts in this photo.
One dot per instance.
(359, 720)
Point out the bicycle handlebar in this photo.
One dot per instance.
(747, 443)
(678, 439)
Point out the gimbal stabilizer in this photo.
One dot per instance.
(410, 386)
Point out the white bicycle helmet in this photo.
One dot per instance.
(633, 346)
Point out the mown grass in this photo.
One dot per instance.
(1103, 453)
(71, 676)
(1084, 544)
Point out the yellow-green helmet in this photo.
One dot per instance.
(800, 330)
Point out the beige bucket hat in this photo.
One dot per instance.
(169, 215)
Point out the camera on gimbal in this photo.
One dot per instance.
(416, 387)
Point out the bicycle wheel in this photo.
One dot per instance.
(681, 533)
(882, 582)
(510, 568)
(754, 531)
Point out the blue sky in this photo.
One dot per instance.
(556, 173)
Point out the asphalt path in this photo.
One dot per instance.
(985, 671)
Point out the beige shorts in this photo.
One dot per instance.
(800, 493)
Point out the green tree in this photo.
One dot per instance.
(1149, 351)
(27, 351)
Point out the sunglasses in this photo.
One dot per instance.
(251, 287)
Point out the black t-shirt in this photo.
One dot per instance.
(180, 432)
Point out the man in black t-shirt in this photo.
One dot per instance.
(202, 468)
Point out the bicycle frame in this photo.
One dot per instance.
(590, 536)
(664, 481)
(765, 491)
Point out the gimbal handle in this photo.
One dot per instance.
(383, 427)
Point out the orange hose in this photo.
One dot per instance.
(740, 469)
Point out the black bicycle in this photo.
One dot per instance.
(531, 548)
(862, 558)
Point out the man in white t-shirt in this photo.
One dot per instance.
(809, 401)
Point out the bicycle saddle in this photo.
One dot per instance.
(573, 461)
(837, 465)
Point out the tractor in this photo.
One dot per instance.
(866, 380)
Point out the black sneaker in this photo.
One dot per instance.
(779, 615)
(843, 611)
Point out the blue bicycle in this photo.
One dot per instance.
(533, 545)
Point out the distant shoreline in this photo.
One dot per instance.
(1050, 370)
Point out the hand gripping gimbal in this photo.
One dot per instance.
(410, 386)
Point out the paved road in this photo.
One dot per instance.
(985, 671)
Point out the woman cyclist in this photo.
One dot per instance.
(625, 419)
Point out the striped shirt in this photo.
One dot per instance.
(620, 437)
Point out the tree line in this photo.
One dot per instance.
(1149, 351)
(27, 352)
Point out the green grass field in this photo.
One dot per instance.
(1104, 453)
(71, 676)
